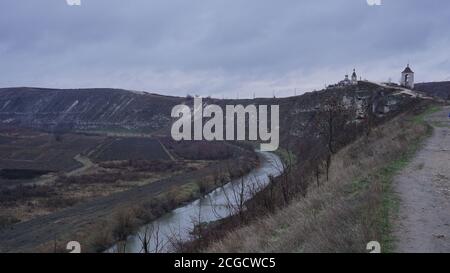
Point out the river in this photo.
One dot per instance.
(177, 225)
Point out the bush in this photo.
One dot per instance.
(101, 241)
(101, 178)
(124, 225)
(10, 196)
(7, 220)
(201, 150)
(60, 202)
(142, 165)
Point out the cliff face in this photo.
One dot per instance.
(353, 109)
(85, 109)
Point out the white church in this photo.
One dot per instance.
(346, 81)
(407, 79)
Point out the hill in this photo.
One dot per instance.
(435, 89)
(112, 110)
(116, 111)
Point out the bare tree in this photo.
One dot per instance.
(175, 241)
(151, 235)
(331, 117)
(120, 247)
(145, 241)
(326, 120)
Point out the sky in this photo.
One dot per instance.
(220, 48)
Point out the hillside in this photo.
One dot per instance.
(85, 109)
(340, 211)
(120, 111)
(115, 110)
(435, 89)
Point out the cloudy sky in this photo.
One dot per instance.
(220, 47)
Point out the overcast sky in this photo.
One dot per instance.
(220, 47)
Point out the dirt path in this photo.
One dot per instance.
(85, 162)
(423, 187)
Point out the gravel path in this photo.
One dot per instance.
(423, 186)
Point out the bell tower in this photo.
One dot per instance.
(407, 78)
(354, 77)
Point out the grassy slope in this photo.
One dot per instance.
(354, 207)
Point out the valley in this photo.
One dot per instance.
(95, 165)
(75, 181)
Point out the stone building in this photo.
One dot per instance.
(407, 78)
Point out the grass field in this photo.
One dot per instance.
(130, 149)
(42, 151)
(42, 173)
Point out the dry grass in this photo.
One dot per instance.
(101, 234)
(59, 192)
(343, 214)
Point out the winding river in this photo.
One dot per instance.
(177, 225)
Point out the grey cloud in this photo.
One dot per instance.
(218, 47)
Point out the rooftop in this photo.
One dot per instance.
(407, 70)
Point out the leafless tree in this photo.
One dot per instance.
(326, 121)
(145, 241)
(196, 223)
(331, 117)
(151, 234)
(120, 247)
(175, 241)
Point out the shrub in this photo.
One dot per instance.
(124, 225)
(7, 220)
